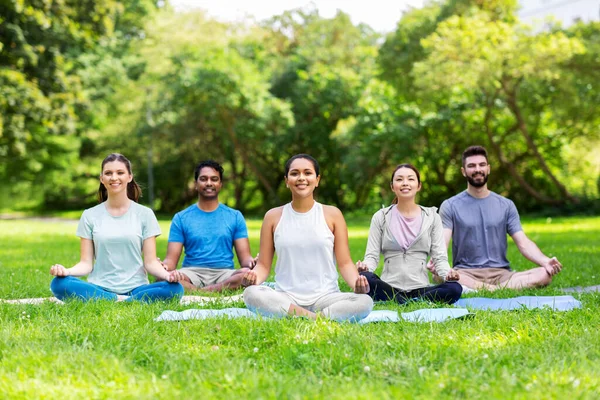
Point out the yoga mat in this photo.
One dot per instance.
(557, 303)
(582, 289)
(425, 315)
(436, 314)
(185, 300)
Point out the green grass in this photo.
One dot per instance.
(115, 350)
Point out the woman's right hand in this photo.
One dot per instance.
(59, 270)
(249, 278)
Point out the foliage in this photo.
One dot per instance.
(168, 89)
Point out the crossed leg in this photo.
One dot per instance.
(231, 283)
(535, 277)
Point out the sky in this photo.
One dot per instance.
(381, 15)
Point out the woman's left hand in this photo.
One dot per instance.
(361, 286)
(452, 276)
(173, 276)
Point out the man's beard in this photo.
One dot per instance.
(477, 184)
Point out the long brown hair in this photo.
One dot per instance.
(409, 166)
(134, 191)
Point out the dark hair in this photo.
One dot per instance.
(409, 166)
(474, 151)
(314, 162)
(211, 164)
(134, 192)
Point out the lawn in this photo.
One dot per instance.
(116, 350)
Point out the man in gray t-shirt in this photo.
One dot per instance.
(478, 220)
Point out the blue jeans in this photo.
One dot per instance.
(69, 287)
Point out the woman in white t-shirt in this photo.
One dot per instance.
(118, 246)
(406, 234)
(308, 237)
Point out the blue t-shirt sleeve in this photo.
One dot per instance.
(446, 215)
(513, 222)
(150, 225)
(85, 227)
(176, 231)
(241, 231)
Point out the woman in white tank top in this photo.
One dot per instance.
(308, 237)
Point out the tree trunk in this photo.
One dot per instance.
(228, 123)
(509, 165)
(522, 127)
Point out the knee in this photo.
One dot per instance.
(176, 288)
(455, 290)
(366, 303)
(251, 296)
(364, 306)
(371, 277)
(544, 279)
(60, 283)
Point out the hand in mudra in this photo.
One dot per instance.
(59, 270)
(452, 276)
(249, 278)
(174, 276)
(361, 286)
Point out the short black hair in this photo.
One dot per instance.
(211, 164)
(474, 151)
(314, 162)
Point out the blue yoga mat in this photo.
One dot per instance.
(425, 315)
(557, 303)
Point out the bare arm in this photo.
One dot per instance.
(83, 267)
(242, 249)
(533, 253)
(348, 270)
(262, 269)
(174, 250)
(153, 266)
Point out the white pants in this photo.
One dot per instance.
(337, 306)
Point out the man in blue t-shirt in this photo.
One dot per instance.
(208, 230)
(478, 220)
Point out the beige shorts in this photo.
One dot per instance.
(493, 276)
(201, 277)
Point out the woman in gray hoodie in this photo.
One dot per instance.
(406, 234)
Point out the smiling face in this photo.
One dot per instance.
(405, 183)
(209, 183)
(115, 177)
(302, 178)
(476, 169)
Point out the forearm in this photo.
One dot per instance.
(82, 268)
(349, 273)
(154, 268)
(262, 273)
(530, 251)
(247, 262)
(170, 263)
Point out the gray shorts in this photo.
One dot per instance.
(202, 276)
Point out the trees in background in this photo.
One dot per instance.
(60, 61)
(169, 89)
